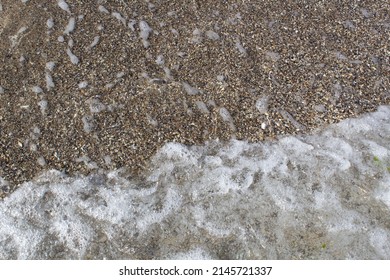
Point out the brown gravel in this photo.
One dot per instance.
(250, 70)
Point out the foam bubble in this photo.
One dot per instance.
(87, 123)
(95, 41)
(102, 9)
(83, 84)
(71, 26)
(119, 17)
(193, 254)
(63, 5)
(50, 23)
(49, 81)
(160, 60)
(50, 65)
(240, 48)
(43, 106)
(145, 31)
(212, 35)
(189, 89)
(73, 58)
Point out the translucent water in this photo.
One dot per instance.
(319, 196)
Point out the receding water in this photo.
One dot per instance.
(321, 196)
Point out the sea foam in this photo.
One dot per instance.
(318, 196)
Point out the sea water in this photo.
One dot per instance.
(319, 196)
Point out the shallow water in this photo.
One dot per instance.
(321, 196)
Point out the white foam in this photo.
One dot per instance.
(120, 75)
(107, 160)
(87, 123)
(15, 39)
(151, 6)
(378, 151)
(95, 106)
(221, 78)
(50, 65)
(340, 56)
(87, 161)
(73, 58)
(274, 56)
(202, 107)
(33, 147)
(172, 202)
(83, 84)
(109, 85)
(37, 89)
(49, 81)
(366, 13)
(212, 35)
(119, 17)
(189, 89)
(63, 5)
(43, 106)
(197, 36)
(41, 161)
(382, 192)
(175, 32)
(71, 26)
(225, 115)
(50, 23)
(151, 120)
(168, 74)
(235, 200)
(70, 43)
(145, 31)
(380, 240)
(36, 132)
(132, 24)
(287, 116)
(102, 9)
(160, 60)
(349, 25)
(240, 48)
(95, 41)
(193, 254)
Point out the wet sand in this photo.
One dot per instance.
(104, 84)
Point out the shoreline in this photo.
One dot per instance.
(319, 196)
(105, 86)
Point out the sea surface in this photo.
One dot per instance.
(320, 196)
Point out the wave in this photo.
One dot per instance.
(319, 196)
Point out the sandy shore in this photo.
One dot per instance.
(104, 84)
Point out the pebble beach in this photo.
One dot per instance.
(103, 84)
(194, 129)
